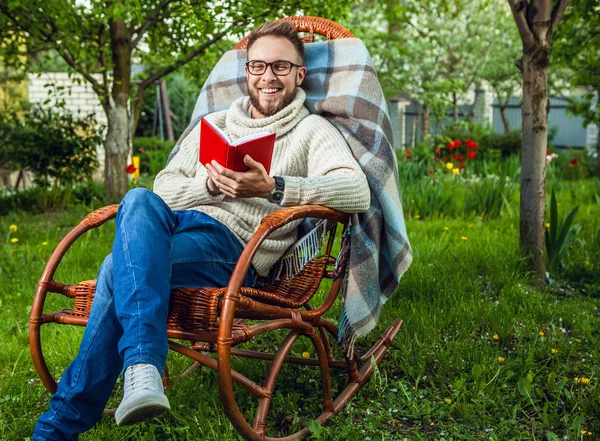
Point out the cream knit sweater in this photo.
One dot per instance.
(310, 154)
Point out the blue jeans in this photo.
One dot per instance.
(155, 250)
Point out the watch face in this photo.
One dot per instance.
(277, 196)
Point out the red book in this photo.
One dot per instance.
(214, 144)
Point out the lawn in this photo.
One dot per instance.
(481, 355)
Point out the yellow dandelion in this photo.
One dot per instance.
(554, 351)
(456, 171)
(547, 225)
(449, 165)
(541, 333)
(448, 400)
(496, 337)
(13, 228)
(583, 432)
(446, 228)
(577, 380)
(417, 216)
(500, 360)
(44, 243)
(585, 380)
(306, 354)
(14, 240)
(464, 238)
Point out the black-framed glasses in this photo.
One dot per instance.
(280, 68)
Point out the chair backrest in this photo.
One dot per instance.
(313, 25)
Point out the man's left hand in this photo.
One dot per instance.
(252, 183)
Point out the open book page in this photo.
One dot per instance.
(239, 141)
(247, 138)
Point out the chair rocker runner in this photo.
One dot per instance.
(216, 319)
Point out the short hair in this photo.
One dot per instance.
(279, 29)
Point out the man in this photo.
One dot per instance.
(192, 229)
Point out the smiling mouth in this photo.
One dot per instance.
(270, 91)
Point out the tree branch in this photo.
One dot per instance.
(47, 37)
(151, 20)
(557, 13)
(519, 10)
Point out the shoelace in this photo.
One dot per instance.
(141, 377)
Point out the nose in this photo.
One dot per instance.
(269, 74)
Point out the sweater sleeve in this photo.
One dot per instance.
(182, 183)
(334, 178)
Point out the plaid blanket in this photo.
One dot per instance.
(342, 86)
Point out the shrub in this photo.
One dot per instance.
(153, 153)
(506, 143)
(58, 148)
(43, 199)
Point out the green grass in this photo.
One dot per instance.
(464, 304)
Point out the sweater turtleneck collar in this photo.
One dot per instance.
(239, 124)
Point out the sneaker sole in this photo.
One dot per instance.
(145, 410)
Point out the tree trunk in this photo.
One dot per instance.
(116, 148)
(533, 158)
(426, 122)
(504, 117)
(117, 138)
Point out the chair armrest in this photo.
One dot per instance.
(92, 220)
(272, 222)
(268, 224)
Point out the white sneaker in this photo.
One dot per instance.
(144, 395)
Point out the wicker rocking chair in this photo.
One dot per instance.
(216, 319)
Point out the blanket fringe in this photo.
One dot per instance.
(300, 253)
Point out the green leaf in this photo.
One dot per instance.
(524, 387)
(476, 371)
(553, 217)
(551, 436)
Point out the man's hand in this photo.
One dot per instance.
(212, 187)
(252, 183)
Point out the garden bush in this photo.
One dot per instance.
(153, 153)
(44, 199)
(57, 147)
(506, 143)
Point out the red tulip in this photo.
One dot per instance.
(474, 145)
(451, 145)
(573, 162)
(461, 166)
(454, 156)
(430, 172)
(471, 155)
(460, 158)
(457, 143)
(130, 169)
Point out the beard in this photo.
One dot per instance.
(272, 108)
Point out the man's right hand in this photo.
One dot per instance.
(212, 187)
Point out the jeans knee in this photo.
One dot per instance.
(139, 197)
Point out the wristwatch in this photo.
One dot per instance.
(276, 195)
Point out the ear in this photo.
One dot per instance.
(300, 76)
(246, 72)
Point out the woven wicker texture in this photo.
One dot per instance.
(313, 25)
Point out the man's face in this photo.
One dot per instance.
(269, 93)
